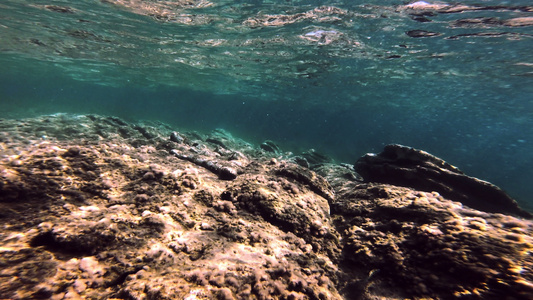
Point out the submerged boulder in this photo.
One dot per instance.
(400, 243)
(409, 167)
(270, 146)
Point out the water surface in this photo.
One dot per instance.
(343, 77)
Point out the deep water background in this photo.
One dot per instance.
(471, 104)
(492, 142)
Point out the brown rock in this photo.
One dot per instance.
(81, 219)
(421, 245)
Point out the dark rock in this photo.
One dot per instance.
(409, 167)
(119, 121)
(148, 176)
(176, 137)
(82, 241)
(421, 33)
(74, 194)
(72, 152)
(301, 161)
(314, 157)
(303, 175)
(145, 131)
(420, 243)
(298, 211)
(270, 146)
(220, 137)
(225, 141)
(218, 142)
(120, 276)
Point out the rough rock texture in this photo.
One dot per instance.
(409, 167)
(417, 245)
(93, 207)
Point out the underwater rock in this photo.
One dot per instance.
(314, 157)
(409, 167)
(224, 140)
(223, 171)
(219, 154)
(85, 216)
(176, 137)
(217, 142)
(305, 176)
(301, 161)
(397, 239)
(270, 146)
(289, 207)
(338, 175)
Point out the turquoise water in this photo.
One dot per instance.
(342, 77)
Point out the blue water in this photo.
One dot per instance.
(342, 77)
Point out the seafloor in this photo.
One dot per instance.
(94, 207)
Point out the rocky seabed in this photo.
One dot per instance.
(93, 207)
